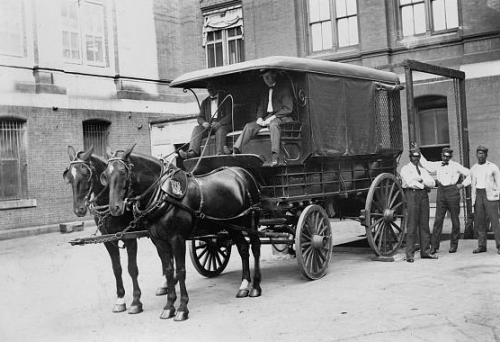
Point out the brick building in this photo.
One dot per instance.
(76, 72)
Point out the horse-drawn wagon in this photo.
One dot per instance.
(338, 158)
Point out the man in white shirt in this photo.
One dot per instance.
(417, 182)
(484, 179)
(448, 175)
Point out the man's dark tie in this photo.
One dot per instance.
(418, 170)
(213, 97)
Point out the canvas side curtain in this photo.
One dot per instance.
(342, 116)
(222, 20)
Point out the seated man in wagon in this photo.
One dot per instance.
(275, 107)
(215, 114)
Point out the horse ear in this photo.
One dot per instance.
(109, 153)
(128, 151)
(71, 153)
(87, 154)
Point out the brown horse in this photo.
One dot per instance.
(178, 206)
(83, 175)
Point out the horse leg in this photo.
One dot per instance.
(164, 250)
(133, 270)
(114, 254)
(162, 289)
(179, 249)
(256, 290)
(243, 250)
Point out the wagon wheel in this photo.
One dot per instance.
(313, 242)
(385, 213)
(210, 256)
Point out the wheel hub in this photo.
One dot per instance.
(389, 215)
(319, 241)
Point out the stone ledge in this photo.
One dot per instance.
(31, 231)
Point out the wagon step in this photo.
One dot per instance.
(273, 221)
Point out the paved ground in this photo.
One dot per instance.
(55, 292)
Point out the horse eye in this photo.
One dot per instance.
(104, 179)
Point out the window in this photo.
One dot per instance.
(443, 16)
(83, 32)
(11, 28)
(13, 172)
(95, 133)
(223, 37)
(324, 34)
(433, 128)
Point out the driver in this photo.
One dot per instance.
(275, 107)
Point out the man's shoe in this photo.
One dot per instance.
(429, 256)
(479, 250)
(453, 250)
(274, 159)
(410, 260)
(234, 150)
(433, 250)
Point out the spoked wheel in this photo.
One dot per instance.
(385, 214)
(210, 256)
(313, 242)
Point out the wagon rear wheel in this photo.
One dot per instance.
(210, 256)
(385, 212)
(313, 242)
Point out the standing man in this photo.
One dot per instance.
(210, 116)
(484, 179)
(448, 175)
(417, 182)
(275, 107)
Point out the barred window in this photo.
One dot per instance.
(13, 169)
(95, 133)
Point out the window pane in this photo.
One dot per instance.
(11, 28)
(218, 55)
(438, 15)
(93, 27)
(451, 13)
(351, 7)
(341, 8)
(324, 9)
(407, 20)
(419, 11)
(443, 133)
(313, 10)
(218, 35)
(327, 35)
(317, 39)
(210, 55)
(343, 28)
(427, 128)
(353, 31)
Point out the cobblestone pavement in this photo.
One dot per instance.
(54, 292)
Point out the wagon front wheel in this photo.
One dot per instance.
(210, 256)
(385, 215)
(313, 242)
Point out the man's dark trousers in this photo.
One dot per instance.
(448, 199)
(483, 208)
(418, 222)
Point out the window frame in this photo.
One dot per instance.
(83, 31)
(15, 128)
(429, 19)
(89, 139)
(21, 31)
(225, 40)
(334, 19)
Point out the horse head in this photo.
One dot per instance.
(128, 174)
(82, 173)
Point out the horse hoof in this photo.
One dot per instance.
(161, 291)
(166, 314)
(181, 316)
(242, 293)
(255, 293)
(120, 308)
(135, 309)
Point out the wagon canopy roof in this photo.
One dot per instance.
(198, 79)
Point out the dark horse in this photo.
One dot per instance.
(83, 174)
(179, 206)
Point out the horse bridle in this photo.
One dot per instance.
(89, 180)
